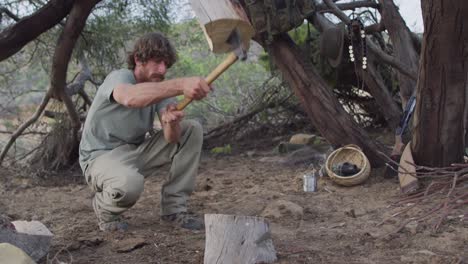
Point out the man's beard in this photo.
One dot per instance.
(156, 77)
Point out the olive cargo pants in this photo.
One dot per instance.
(117, 176)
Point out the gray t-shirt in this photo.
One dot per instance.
(110, 124)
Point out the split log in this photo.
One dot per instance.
(32, 237)
(218, 19)
(238, 239)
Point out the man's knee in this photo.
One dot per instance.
(128, 190)
(194, 128)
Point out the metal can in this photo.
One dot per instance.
(310, 182)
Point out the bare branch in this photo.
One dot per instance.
(402, 43)
(80, 80)
(15, 37)
(390, 60)
(24, 133)
(8, 13)
(25, 125)
(85, 97)
(337, 11)
(372, 46)
(378, 27)
(349, 6)
(59, 115)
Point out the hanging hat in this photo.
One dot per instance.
(331, 44)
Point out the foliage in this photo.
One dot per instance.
(222, 150)
(235, 90)
(113, 27)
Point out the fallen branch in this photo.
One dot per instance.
(228, 127)
(447, 192)
(24, 133)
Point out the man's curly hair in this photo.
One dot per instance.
(152, 45)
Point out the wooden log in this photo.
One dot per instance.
(218, 19)
(232, 239)
(32, 237)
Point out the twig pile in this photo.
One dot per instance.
(445, 196)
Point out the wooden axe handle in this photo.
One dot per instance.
(223, 66)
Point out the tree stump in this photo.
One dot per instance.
(218, 19)
(232, 239)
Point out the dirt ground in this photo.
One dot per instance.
(333, 225)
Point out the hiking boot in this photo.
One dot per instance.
(113, 226)
(107, 221)
(185, 220)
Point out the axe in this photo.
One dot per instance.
(227, 29)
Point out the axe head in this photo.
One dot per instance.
(225, 24)
(234, 40)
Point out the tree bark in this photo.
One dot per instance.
(403, 47)
(323, 109)
(466, 123)
(443, 83)
(15, 37)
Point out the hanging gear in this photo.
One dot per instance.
(331, 44)
(358, 44)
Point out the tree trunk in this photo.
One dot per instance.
(403, 47)
(324, 110)
(466, 124)
(439, 117)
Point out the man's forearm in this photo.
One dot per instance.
(145, 94)
(172, 132)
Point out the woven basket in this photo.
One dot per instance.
(352, 154)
